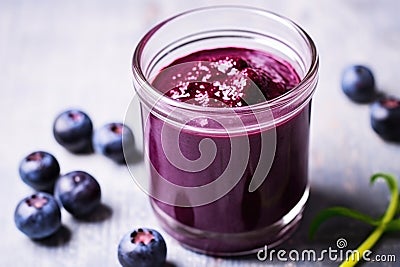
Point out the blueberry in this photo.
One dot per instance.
(111, 140)
(38, 216)
(78, 192)
(73, 130)
(358, 84)
(39, 170)
(142, 248)
(385, 118)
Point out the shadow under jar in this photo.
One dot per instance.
(225, 95)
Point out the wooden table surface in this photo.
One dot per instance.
(60, 54)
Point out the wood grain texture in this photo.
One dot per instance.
(60, 54)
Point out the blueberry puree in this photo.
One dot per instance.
(230, 77)
(226, 77)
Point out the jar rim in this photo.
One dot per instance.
(301, 88)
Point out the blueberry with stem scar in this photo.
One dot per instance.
(39, 170)
(111, 140)
(38, 216)
(78, 192)
(142, 248)
(73, 130)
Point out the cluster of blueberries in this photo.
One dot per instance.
(358, 83)
(39, 216)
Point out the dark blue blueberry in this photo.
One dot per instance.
(73, 130)
(111, 140)
(142, 248)
(358, 84)
(38, 216)
(39, 170)
(78, 192)
(385, 118)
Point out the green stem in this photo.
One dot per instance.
(376, 234)
(366, 245)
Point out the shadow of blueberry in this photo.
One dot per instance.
(169, 264)
(133, 156)
(59, 238)
(100, 214)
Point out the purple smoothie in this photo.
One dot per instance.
(240, 220)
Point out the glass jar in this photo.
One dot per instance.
(226, 181)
